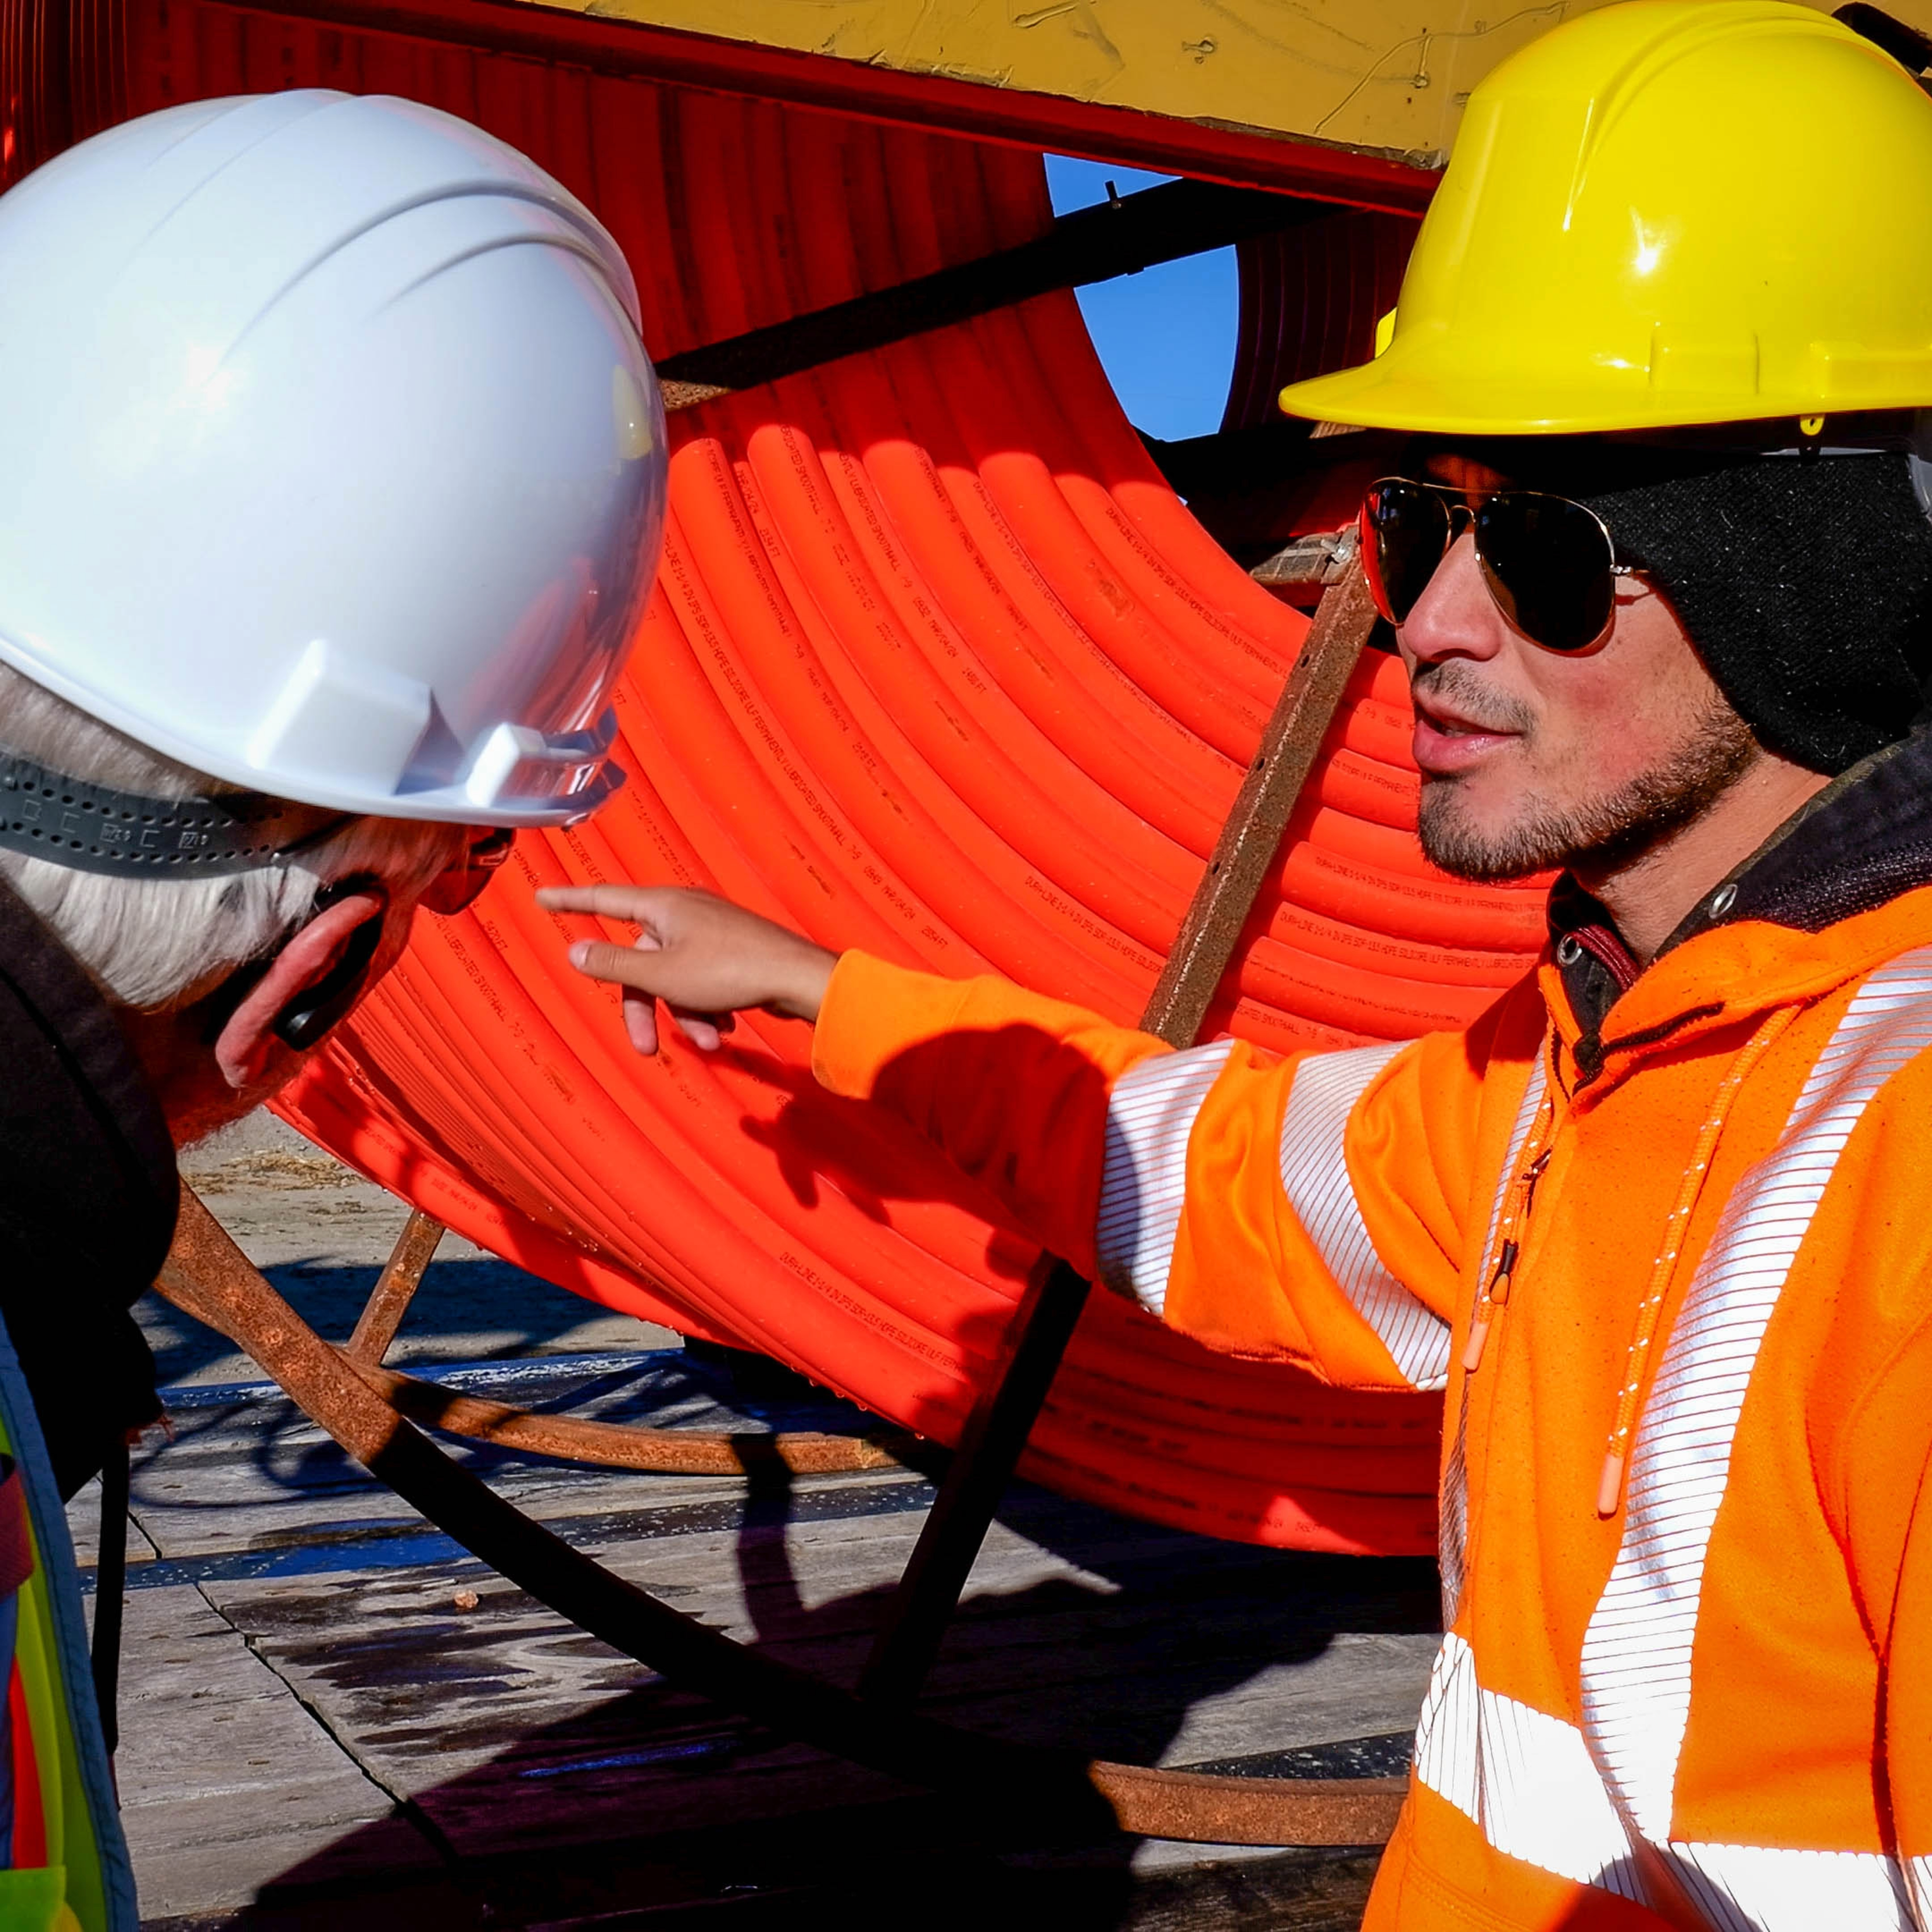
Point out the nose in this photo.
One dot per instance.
(1455, 617)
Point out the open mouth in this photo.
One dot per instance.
(1447, 743)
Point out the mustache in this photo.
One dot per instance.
(1456, 685)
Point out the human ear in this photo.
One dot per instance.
(310, 983)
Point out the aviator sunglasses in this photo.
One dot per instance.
(1549, 563)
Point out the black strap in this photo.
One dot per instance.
(110, 1590)
(93, 828)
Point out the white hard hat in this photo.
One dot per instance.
(331, 461)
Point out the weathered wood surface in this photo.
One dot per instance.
(226, 1780)
(332, 1715)
(370, 1665)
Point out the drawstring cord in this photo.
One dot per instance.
(1616, 1454)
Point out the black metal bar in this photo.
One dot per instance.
(110, 1594)
(1092, 244)
(996, 1434)
(1906, 45)
(1238, 461)
(989, 1449)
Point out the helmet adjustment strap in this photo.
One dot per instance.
(94, 828)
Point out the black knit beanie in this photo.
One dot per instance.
(1804, 582)
(1806, 585)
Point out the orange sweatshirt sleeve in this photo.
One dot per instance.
(1314, 1209)
(1011, 1086)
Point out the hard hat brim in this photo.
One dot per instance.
(1404, 392)
(504, 806)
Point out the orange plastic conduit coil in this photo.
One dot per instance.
(937, 666)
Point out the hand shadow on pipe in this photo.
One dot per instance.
(1131, 1383)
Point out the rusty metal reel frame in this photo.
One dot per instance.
(371, 1410)
(571, 1438)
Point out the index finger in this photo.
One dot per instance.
(635, 903)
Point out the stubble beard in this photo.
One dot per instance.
(1603, 833)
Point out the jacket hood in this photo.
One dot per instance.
(1840, 887)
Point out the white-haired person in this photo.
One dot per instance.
(333, 484)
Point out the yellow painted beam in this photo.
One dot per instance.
(1386, 75)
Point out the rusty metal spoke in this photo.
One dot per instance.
(1199, 959)
(619, 1445)
(396, 1287)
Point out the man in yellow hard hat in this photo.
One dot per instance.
(1657, 1223)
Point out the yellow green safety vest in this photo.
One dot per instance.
(63, 1864)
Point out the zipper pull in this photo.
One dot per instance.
(1610, 1483)
(1472, 1349)
(1522, 1197)
(1492, 1297)
(1499, 1282)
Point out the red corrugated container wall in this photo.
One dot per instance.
(937, 666)
(1311, 297)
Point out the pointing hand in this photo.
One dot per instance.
(703, 956)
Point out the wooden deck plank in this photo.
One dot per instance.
(515, 1735)
(226, 1781)
(1166, 1660)
(83, 1526)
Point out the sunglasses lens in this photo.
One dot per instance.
(1404, 536)
(1547, 563)
(462, 885)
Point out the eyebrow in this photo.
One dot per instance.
(1504, 481)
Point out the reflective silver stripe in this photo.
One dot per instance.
(1150, 1113)
(1529, 1781)
(1453, 1500)
(1483, 1754)
(1446, 1734)
(1525, 1777)
(1637, 1656)
(1315, 1175)
(1755, 1888)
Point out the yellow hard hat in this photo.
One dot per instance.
(1663, 214)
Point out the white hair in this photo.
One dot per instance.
(148, 942)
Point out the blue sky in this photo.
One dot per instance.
(1166, 336)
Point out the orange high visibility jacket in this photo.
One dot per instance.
(1686, 1534)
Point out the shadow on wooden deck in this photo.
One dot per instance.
(333, 1717)
(512, 1772)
